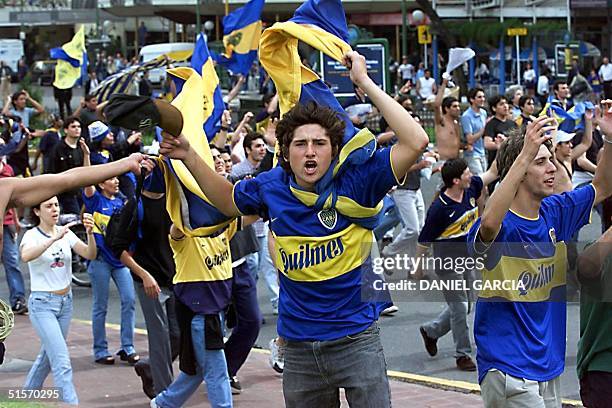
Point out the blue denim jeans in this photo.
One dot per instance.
(50, 315)
(315, 372)
(211, 368)
(390, 220)
(261, 262)
(10, 260)
(101, 273)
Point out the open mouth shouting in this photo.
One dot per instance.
(310, 167)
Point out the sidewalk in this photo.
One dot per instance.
(118, 386)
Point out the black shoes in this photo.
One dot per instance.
(465, 363)
(431, 344)
(130, 358)
(143, 370)
(108, 360)
(20, 307)
(235, 385)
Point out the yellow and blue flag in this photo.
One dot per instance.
(189, 208)
(201, 62)
(71, 60)
(241, 34)
(322, 25)
(569, 120)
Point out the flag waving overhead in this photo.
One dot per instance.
(322, 25)
(202, 63)
(241, 34)
(571, 120)
(187, 205)
(70, 57)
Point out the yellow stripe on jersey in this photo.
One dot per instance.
(534, 278)
(461, 226)
(361, 139)
(203, 259)
(344, 205)
(315, 259)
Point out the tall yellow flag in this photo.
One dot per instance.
(69, 60)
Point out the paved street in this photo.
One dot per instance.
(118, 386)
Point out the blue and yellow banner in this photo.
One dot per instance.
(322, 25)
(571, 120)
(201, 62)
(189, 209)
(71, 60)
(241, 35)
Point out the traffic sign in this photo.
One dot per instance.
(518, 31)
(423, 34)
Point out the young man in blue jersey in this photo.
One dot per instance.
(448, 222)
(520, 330)
(332, 337)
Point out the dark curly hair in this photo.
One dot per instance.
(306, 114)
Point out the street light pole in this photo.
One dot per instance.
(98, 19)
(198, 20)
(404, 30)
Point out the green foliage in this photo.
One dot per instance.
(489, 32)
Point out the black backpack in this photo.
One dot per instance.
(122, 227)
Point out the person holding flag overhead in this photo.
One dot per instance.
(322, 202)
(71, 63)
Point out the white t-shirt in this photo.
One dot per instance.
(542, 85)
(426, 87)
(529, 75)
(605, 72)
(407, 71)
(53, 269)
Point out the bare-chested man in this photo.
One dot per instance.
(447, 113)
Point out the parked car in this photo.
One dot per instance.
(43, 72)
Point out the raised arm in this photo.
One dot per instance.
(603, 175)
(499, 203)
(236, 89)
(6, 109)
(437, 105)
(490, 175)
(39, 108)
(586, 164)
(89, 250)
(33, 190)
(411, 138)
(221, 137)
(218, 190)
(587, 137)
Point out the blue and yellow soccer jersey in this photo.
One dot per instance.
(203, 279)
(448, 222)
(520, 328)
(101, 208)
(320, 254)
